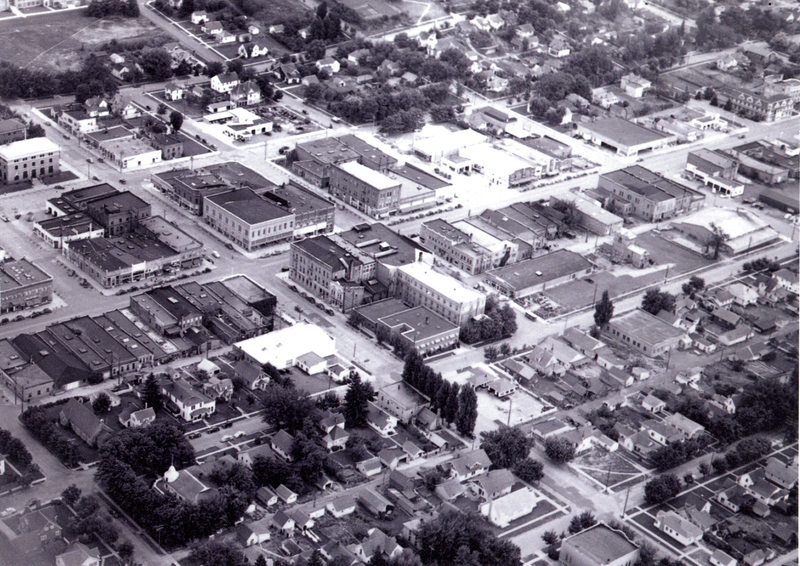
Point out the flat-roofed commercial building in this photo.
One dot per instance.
(29, 159)
(528, 235)
(23, 286)
(648, 195)
(598, 546)
(535, 275)
(316, 158)
(367, 190)
(593, 217)
(501, 168)
(417, 284)
(75, 226)
(454, 246)
(152, 248)
(419, 328)
(645, 332)
(316, 263)
(248, 219)
(444, 145)
(119, 213)
(130, 153)
(625, 137)
(78, 199)
(165, 310)
(716, 170)
(312, 214)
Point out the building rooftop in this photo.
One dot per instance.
(552, 266)
(644, 325)
(114, 133)
(296, 198)
(382, 243)
(420, 177)
(24, 148)
(124, 148)
(367, 151)
(117, 203)
(79, 196)
(20, 273)
(370, 176)
(247, 206)
(325, 250)
(418, 323)
(10, 125)
(329, 150)
(623, 131)
(601, 543)
(442, 284)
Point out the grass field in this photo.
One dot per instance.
(61, 40)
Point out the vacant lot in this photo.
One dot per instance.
(607, 468)
(61, 40)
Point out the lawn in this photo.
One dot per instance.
(278, 11)
(67, 37)
(682, 260)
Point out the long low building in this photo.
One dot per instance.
(248, 219)
(625, 137)
(23, 285)
(716, 170)
(284, 347)
(533, 276)
(76, 226)
(647, 333)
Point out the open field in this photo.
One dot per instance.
(370, 10)
(61, 40)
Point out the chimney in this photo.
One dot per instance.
(426, 320)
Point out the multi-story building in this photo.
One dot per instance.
(312, 214)
(776, 85)
(11, 130)
(248, 219)
(766, 108)
(648, 195)
(417, 284)
(367, 190)
(165, 310)
(23, 286)
(189, 188)
(28, 159)
(78, 121)
(25, 379)
(317, 263)
(191, 404)
(456, 246)
(75, 226)
(119, 213)
(316, 158)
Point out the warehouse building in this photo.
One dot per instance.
(647, 333)
(716, 170)
(535, 275)
(625, 137)
(23, 286)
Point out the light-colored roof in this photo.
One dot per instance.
(23, 148)
(288, 344)
(369, 176)
(443, 284)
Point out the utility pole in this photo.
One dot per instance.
(510, 404)
(625, 507)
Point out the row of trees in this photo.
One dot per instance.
(500, 322)
(45, 430)
(454, 403)
(104, 8)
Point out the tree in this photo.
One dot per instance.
(315, 50)
(125, 551)
(356, 402)
(506, 446)
(491, 353)
(716, 240)
(151, 393)
(35, 131)
(654, 301)
(603, 310)
(441, 542)
(175, 120)
(529, 470)
(101, 404)
(157, 64)
(688, 478)
(261, 561)
(582, 522)
(662, 488)
(71, 495)
(287, 408)
(450, 412)
(704, 469)
(550, 537)
(467, 413)
(559, 450)
(213, 69)
(216, 553)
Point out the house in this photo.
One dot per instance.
(335, 439)
(288, 73)
(634, 85)
(599, 545)
(189, 403)
(212, 28)
(283, 522)
(253, 29)
(653, 404)
(370, 466)
(376, 543)
(524, 31)
(391, 457)
(384, 423)
(719, 558)
(266, 496)
(227, 37)
(39, 524)
(493, 484)
(682, 530)
(733, 497)
(702, 343)
(544, 362)
(758, 557)
(120, 71)
(250, 50)
(582, 342)
(467, 466)
(617, 378)
(276, 29)
(83, 422)
(787, 280)
(428, 420)
(79, 555)
(301, 520)
(249, 534)
(245, 94)
(199, 17)
(286, 495)
(328, 64)
(217, 388)
(341, 506)
(743, 295)
(412, 450)
(283, 443)
(726, 403)
(686, 426)
(781, 474)
(253, 377)
(762, 490)
(502, 387)
(546, 429)
(391, 68)
(559, 47)
(224, 82)
(726, 62)
(131, 417)
(449, 490)
(661, 433)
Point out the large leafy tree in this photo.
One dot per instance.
(655, 300)
(506, 446)
(662, 488)
(559, 450)
(151, 394)
(356, 402)
(150, 450)
(287, 408)
(529, 470)
(455, 539)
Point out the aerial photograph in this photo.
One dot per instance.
(399, 282)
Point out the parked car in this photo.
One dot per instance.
(123, 181)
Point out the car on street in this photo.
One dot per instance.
(8, 511)
(4, 218)
(229, 245)
(66, 137)
(293, 288)
(89, 160)
(329, 311)
(101, 160)
(226, 438)
(215, 253)
(123, 181)
(239, 434)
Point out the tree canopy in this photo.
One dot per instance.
(506, 446)
(456, 538)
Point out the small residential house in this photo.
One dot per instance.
(634, 85)
(653, 404)
(286, 495)
(682, 530)
(266, 496)
(79, 555)
(131, 417)
(224, 82)
(341, 506)
(328, 64)
(283, 522)
(559, 47)
(469, 465)
(251, 50)
(199, 17)
(213, 28)
(493, 484)
(384, 423)
(719, 558)
(743, 295)
(253, 377)
(250, 534)
(781, 474)
(174, 91)
(369, 466)
(283, 444)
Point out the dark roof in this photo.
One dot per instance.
(421, 177)
(62, 367)
(382, 243)
(552, 266)
(246, 205)
(323, 249)
(297, 199)
(624, 132)
(601, 543)
(81, 418)
(10, 125)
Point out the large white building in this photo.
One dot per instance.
(283, 347)
(417, 284)
(28, 159)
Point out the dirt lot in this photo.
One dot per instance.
(61, 40)
(606, 467)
